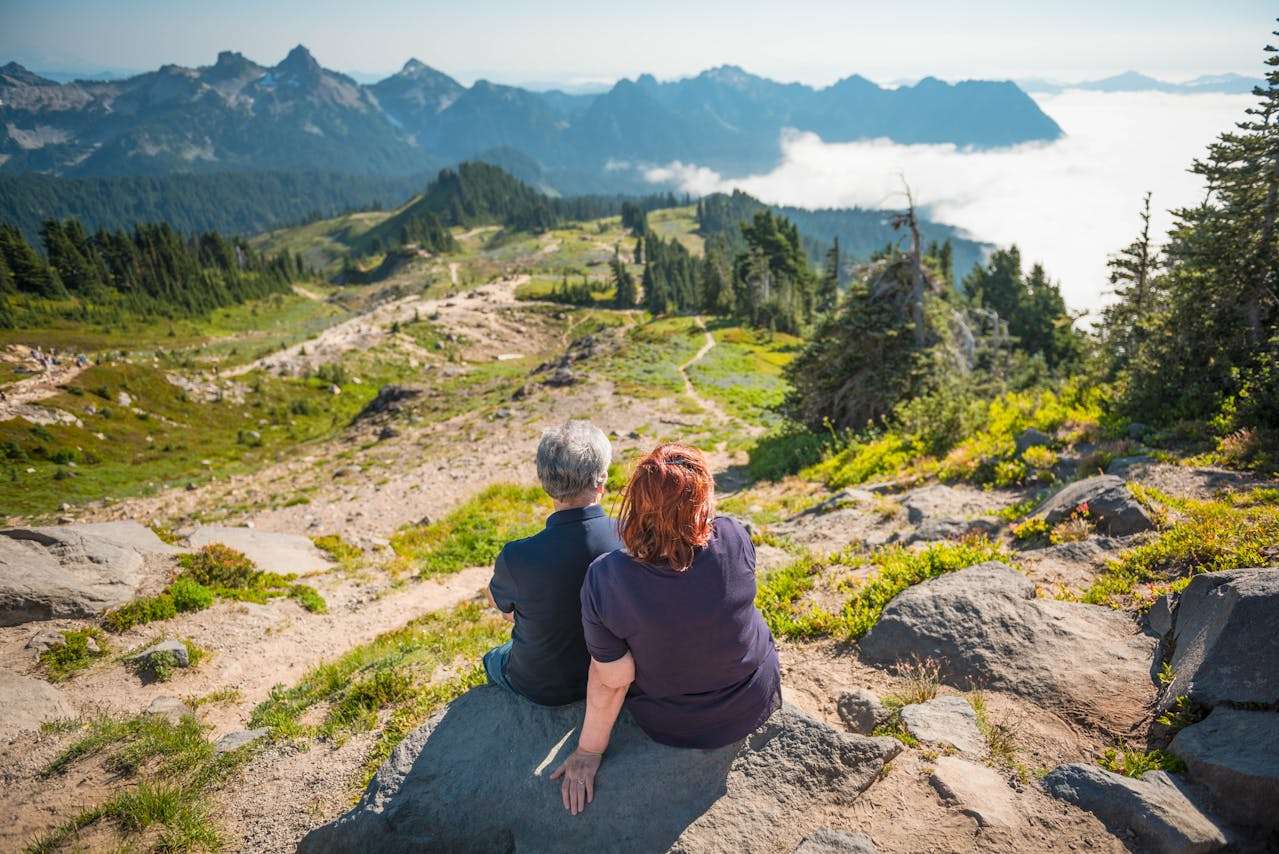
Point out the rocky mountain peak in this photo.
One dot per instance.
(14, 74)
(300, 62)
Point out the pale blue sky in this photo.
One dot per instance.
(814, 41)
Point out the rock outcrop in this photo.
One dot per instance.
(861, 711)
(827, 841)
(1110, 505)
(986, 629)
(1234, 754)
(74, 570)
(1225, 639)
(976, 791)
(948, 721)
(284, 553)
(26, 703)
(477, 778)
(1154, 808)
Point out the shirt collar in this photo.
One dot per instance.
(574, 514)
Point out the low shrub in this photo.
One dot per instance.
(146, 609)
(1134, 763)
(190, 595)
(80, 648)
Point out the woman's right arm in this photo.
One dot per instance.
(605, 692)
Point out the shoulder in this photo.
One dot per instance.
(728, 529)
(517, 551)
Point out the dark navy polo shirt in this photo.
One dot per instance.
(540, 579)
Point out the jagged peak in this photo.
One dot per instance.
(300, 61)
(414, 66)
(22, 74)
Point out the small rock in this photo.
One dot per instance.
(861, 711)
(1234, 754)
(424, 521)
(335, 390)
(1121, 467)
(28, 702)
(502, 413)
(827, 841)
(1154, 808)
(170, 708)
(1159, 617)
(945, 720)
(346, 471)
(122, 397)
(1032, 438)
(236, 740)
(181, 657)
(1109, 502)
(976, 790)
(561, 377)
(64, 507)
(45, 639)
(190, 487)
(387, 432)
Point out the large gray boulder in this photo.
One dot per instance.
(1154, 808)
(283, 553)
(477, 778)
(75, 570)
(986, 629)
(1225, 639)
(25, 703)
(1110, 505)
(1234, 754)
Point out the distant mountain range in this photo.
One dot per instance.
(237, 115)
(1132, 81)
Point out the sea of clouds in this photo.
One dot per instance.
(1068, 203)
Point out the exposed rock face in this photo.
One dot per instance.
(975, 790)
(476, 778)
(283, 553)
(861, 711)
(985, 628)
(1234, 754)
(1110, 505)
(171, 709)
(1155, 808)
(73, 570)
(25, 703)
(945, 720)
(827, 841)
(1225, 639)
(390, 398)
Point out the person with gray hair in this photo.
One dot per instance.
(537, 581)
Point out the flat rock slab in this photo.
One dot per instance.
(985, 628)
(73, 570)
(171, 709)
(235, 740)
(826, 841)
(283, 553)
(1110, 505)
(945, 720)
(1225, 639)
(25, 703)
(477, 778)
(178, 650)
(1234, 754)
(976, 791)
(1154, 808)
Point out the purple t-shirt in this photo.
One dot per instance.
(706, 671)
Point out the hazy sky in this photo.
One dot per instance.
(814, 41)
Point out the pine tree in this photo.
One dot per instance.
(1133, 275)
(623, 282)
(828, 285)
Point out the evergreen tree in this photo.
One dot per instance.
(828, 285)
(1031, 305)
(775, 287)
(30, 272)
(623, 282)
(716, 277)
(1134, 274)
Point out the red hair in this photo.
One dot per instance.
(668, 507)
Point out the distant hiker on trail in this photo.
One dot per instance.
(671, 623)
(537, 581)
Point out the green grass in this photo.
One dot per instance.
(474, 533)
(743, 372)
(347, 556)
(62, 662)
(648, 365)
(780, 592)
(1231, 532)
(1134, 763)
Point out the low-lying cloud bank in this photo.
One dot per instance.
(1068, 203)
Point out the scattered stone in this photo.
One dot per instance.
(976, 791)
(1122, 467)
(1110, 505)
(935, 530)
(73, 570)
(273, 552)
(561, 377)
(986, 629)
(1154, 808)
(1032, 438)
(827, 841)
(503, 412)
(387, 432)
(1234, 754)
(1159, 617)
(45, 639)
(1224, 639)
(122, 397)
(522, 392)
(27, 703)
(440, 787)
(235, 740)
(389, 398)
(335, 390)
(171, 709)
(861, 711)
(945, 720)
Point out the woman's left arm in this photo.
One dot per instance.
(605, 692)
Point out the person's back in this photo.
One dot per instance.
(540, 579)
(537, 581)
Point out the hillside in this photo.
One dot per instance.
(238, 115)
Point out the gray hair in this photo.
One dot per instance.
(573, 459)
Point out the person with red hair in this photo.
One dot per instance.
(671, 623)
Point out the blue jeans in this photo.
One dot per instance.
(495, 663)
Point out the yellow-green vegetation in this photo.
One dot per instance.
(170, 770)
(391, 679)
(1134, 763)
(1001, 742)
(895, 568)
(767, 508)
(743, 372)
(1034, 529)
(1181, 713)
(161, 666)
(213, 571)
(680, 224)
(648, 365)
(80, 648)
(346, 555)
(1232, 531)
(474, 532)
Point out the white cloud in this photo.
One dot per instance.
(1068, 203)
